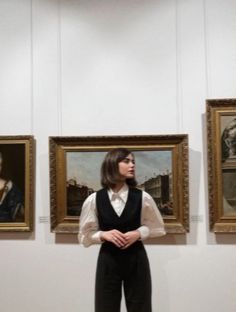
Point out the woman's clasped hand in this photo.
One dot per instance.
(119, 239)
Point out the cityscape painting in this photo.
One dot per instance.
(153, 173)
(161, 170)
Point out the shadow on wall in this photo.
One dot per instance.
(17, 236)
(111, 16)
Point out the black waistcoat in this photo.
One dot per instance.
(130, 217)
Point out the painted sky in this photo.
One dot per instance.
(84, 167)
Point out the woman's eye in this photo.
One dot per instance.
(127, 161)
(130, 161)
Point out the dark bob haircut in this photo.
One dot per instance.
(110, 170)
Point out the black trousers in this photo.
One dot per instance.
(128, 268)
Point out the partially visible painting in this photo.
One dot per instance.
(161, 170)
(221, 123)
(16, 183)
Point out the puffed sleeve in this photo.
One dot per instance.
(151, 218)
(88, 226)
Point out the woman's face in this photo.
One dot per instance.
(127, 167)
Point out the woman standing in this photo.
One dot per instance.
(120, 216)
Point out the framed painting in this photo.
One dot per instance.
(161, 170)
(221, 133)
(16, 183)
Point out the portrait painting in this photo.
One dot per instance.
(228, 138)
(161, 170)
(228, 147)
(16, 181)
(221, 125)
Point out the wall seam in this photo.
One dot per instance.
(179, 87)
(206, 51)
(31, 71)
(59, 71)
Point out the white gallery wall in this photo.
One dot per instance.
(115, 67)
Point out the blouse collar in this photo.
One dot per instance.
(122, 193)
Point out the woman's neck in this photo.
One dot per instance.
(117, 187)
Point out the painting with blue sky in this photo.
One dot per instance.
(84, 167)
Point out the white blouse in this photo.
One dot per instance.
(152, 224)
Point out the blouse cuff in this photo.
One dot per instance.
(144, 232)
(157, 232)
(96, 237)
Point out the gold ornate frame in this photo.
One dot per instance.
(221, 114)
(18, 166)
(177, 145)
